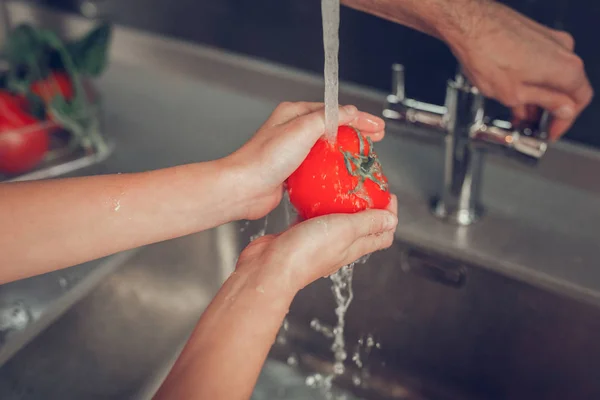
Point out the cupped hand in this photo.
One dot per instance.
(318, 247)
(521, 63)
(279, 147)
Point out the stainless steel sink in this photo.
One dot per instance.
(444, 329)
(507, 308)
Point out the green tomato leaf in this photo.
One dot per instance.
(90, 53)
(59, 106)
(27, 55)
(37, 108)
(22, 43)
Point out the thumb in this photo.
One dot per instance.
(291, 142)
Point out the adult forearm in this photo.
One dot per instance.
(444, 19)
(49, 225)
(225, 353)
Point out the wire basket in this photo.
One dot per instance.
(50, 112)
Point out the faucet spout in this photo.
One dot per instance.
(468, 137)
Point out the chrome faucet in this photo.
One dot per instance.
(468, 135)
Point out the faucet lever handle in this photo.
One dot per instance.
(538, 128)
(527, 140)
(531, 137)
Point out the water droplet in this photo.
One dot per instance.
(338, 368)
(261, 232)
(245, 226)
(292, 360)
(370, 341)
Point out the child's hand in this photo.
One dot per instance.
(279, 147)
(317, 247)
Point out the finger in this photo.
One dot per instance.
(565, 39)
(369, 125)
(583, 97)
(519, 113)
(533, 113)
(369, 244)
(393, 206)
(566, 75)
(364, 232)
(255, 248)
(375, 137)
(364, 223)
(527, 113)
(287, 111)
(311, 126)
(561, 106)
(559, 127)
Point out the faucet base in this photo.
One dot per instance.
(458, 216)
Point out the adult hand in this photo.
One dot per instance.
(520, 62)
(318, 247)
(279, 147)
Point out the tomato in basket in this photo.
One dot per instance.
(24, 141)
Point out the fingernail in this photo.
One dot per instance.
(350, 109)
(374, 121)
(390, 222)
(565, 112)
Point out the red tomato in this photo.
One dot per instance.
(55, 83)
(340, 177)
(22, 143)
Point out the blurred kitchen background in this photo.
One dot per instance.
(289, 32)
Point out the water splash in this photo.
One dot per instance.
(292, 360)
(360, 357)
(342, 291)
(261, 232)
(245, 226)
(322, 329)
(343, 294)
(291, 215)
(282, 335)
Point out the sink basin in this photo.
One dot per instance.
(443, 329)
(507, 308)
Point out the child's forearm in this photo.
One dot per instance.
(224, 355)
(49, 225)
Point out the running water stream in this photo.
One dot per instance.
(330, 10)
(342, 279)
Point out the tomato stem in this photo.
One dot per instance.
(364, 166)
